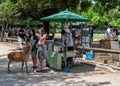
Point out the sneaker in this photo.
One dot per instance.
(38, 70)
(34, 67)
(43, 71)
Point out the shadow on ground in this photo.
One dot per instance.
(50, 78)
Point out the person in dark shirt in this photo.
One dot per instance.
(22, 33)
(91, 32)
(21, 37)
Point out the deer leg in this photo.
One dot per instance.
(9, 66)
(100, 45)
(22, 65)
(26, 66)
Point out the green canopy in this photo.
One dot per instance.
(61, 16)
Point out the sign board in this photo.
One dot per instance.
(85, 37)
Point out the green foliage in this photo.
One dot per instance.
(72, 4)
(105, 17)
(28, 12)
(110, 4)
(115, 23)
(100, 14)
(90, 13)
(93, 16)
(112, 23)
(85, 4)
(95, 20)
(113, 16)
(30, 21)
(8, 12)
(114, 13)
(118, 22)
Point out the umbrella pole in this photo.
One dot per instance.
(65, 51)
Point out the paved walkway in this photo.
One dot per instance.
(80, 75)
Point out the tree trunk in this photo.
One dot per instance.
(46, 26)
(2, 32)
(4, 27)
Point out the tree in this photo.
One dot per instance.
(73, 4)
(106, 5)
(8, 13)
(1, 1)
(113, 16)
(85, 4)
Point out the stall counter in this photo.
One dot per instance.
(55, 61)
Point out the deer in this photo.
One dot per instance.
(20, 56)
(104, 43)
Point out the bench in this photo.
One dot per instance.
(115, 50)
(99, 49)
(11, 39)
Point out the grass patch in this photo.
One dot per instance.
(98, 36)
(57, 35)
(95, 36)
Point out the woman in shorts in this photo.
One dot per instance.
(41, 49)
(33, 39)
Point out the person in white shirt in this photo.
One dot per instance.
(108, 33)
(67, 39)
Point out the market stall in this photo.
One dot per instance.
(58, 55)
(55, 54)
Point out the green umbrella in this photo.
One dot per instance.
(65, 15)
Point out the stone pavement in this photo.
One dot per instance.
(81, 75)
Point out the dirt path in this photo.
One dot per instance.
(80, 75)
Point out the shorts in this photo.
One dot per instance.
(34, 49)
(41, 52)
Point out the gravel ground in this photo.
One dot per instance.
(81, 74)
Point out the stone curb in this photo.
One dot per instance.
(109, 67)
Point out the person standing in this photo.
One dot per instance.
(91, 32)
(108, 33)
(115, 33)
(68, 45)
(78, 36)
(41, 50)
(33, 40)
(73, 34)
(21, 37)
(67, 39)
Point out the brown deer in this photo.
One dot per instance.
(20, 56)
(104, 43)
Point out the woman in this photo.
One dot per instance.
(41, 50)
(33, 39)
